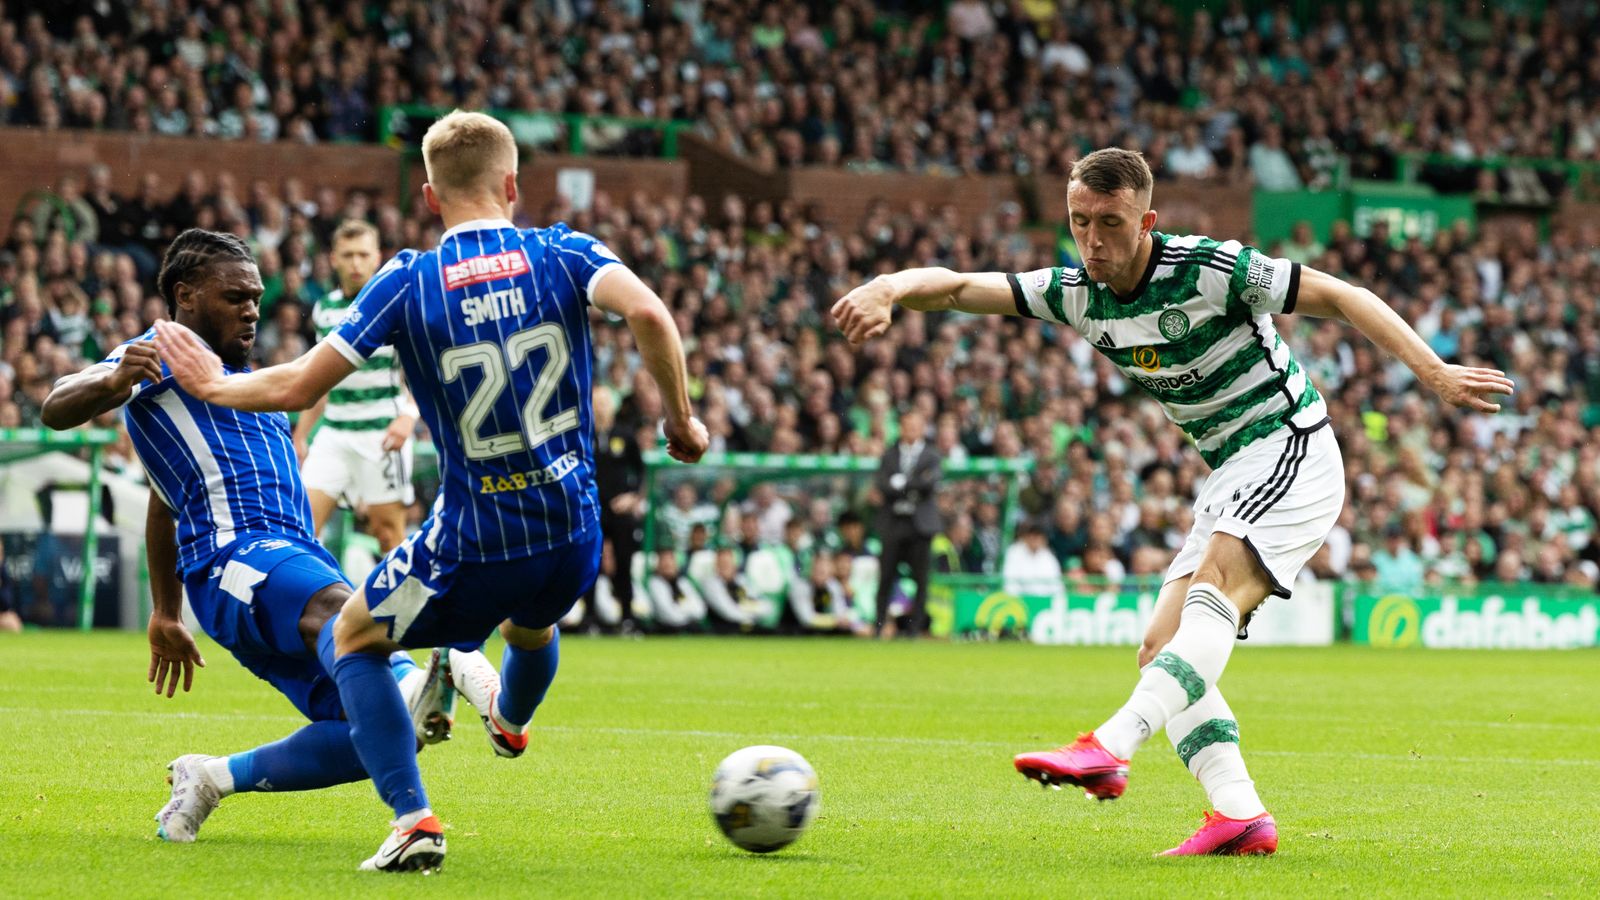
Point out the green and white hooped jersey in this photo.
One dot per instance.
(370, 397)
(1197, 334)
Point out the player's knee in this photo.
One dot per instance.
(388, 534)
(322, 606)
(354, 631)
(526, 638)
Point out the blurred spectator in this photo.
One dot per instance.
(908, 518)
(1399, 568)
(1016, 88)
(619, 475)
(10, 621)
(1030, 568)
(1270, 164)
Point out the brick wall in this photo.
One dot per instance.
(32, 159)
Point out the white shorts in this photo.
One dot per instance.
(353, 468)
(1281, 495)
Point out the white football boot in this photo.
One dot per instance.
(431, 699)
(418, 848)
(194, 796)
(476, 679)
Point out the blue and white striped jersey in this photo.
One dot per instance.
(492, 328)
(225, 474)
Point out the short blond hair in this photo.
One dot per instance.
(465, 150)
(351, 229)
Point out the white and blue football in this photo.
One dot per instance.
(763, 797)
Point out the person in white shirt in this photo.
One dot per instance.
(1030, 568)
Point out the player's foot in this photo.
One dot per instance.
(433, 703)
(420, 847)
(194, 796)
(1083, 763)
(1222, 836)
(475, 679)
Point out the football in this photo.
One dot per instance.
(763, 797)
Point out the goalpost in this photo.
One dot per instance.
(20, 444)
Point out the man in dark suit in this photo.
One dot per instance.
(908, 518)
(619, 475)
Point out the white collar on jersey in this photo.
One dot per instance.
(477, 225)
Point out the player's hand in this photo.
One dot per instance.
(1471, 388)
(140, 362)
(864, 313)
(191, 361)
(688, 441)
(399, 432)
(172, 650)
(302, 448)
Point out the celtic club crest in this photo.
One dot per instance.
(1174, 324)
(1255, 297)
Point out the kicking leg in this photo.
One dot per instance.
(1227, 585)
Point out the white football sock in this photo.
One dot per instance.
(221, 776)
(1180, 674)
(411, 819)
(1206, 736)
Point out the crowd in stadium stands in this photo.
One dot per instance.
(1009, 86)
(1020, 87)
(1433, 493)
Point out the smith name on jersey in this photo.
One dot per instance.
(492, 328)
(1197, 334)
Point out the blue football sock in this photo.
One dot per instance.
(401, 664)
(525, 677)
(317, 756)
(380, 727)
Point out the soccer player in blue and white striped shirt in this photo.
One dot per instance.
(228, 515)
(492, 329)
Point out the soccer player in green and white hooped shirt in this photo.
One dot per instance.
(1190, 319)
(362, 454)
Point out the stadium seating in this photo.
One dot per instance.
(972, 86)
(1509, 498)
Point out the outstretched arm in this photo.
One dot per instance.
(621, 293)
(293, 385)
(864, 313)
(76, 399)
(1327, 297)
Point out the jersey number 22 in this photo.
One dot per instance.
(486, 355)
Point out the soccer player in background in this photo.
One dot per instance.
(362, 454)
(228, 513)
(492, 329)
(1190, 320)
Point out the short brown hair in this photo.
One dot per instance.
(1112, 169)
(462, 149)
(350, 229)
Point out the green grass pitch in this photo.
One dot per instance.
(1390, 773)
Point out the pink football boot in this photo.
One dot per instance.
(1083, 763)
(1222, 836)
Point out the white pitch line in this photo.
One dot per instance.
(835, 738)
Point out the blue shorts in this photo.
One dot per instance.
(430, 602)
(250, 597)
